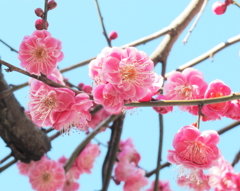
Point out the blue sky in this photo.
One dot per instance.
(77, 25)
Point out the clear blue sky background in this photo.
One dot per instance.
(77, 25)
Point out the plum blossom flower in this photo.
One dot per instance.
(136, 181)
(216, 89)
(47, 175)
(40, 52)
(219, 7)
(85, 160)
(24, 168)
(164, 109)
(187, 85)
(193, 149)
(124, 170)
(162, 186)
(98, 117)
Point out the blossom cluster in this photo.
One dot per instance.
(122, 76)
(49, 175)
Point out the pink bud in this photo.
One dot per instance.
(39, 24)
(219, 7)
(39, 12)
(113, 35)
(52, 4)
(228, 2)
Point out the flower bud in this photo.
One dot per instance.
(228, 2)
(52, 4)
(113, 35)
(219, 7)
(39, 24)
(39, 12)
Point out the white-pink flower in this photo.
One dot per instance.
(162, 186)
(47, 175)
(24, 168)
(40, 52)
(187, 85)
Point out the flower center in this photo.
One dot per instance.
(46, 177)
(128, 73)
(40, 53)
(50, 102)
(184, 92)
(197, 153)
(217, 106)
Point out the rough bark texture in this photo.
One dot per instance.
(26, 141)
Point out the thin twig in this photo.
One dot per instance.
(102, 24)
(5, 158)
(185, 102)
(42, 78)
(112, 152)
(208, 54)
(199, 116)
(11, 48)
(236, 3)
(45, 15)
(229, 127)
(8, 165)
(159, 159)
(236, 159)
(82, 145)
(195, 22)
(166, 164)
(54, 136)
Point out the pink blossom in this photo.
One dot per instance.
(24, 168)
(56, 76)
(87, 157)
(219, 7)
(76, 115)
(109, 97)
(162, 186)
(216, 89)
(40, 52)
(187, 85)
(233, 111)
(136, 181)
(163, 110)
(127, 143)
(124, 170)
(45, 101)
(238, 182)
(129, 154)
(47, 175)
(71, 185)
(98, 117)
(113, 35)
(193, 149)
(87, 89)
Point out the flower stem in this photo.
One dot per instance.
(236, 3)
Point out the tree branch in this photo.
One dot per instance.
(5, 158)
(166, 164)
(8, 165)
(112, 151)
(82, 145)
(11, 48)
(102, 24)
(185, 102)
(45, 15)
(208, 54)
(236, 159)
(161, 53)
(195, 22)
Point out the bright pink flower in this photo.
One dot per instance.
(71, 185)
(45, 101)
(39, 24)
(238, 182)
(113, 35)
(98, 117)
(24, 168)
(87, 157)
(127, 143)
(124, 170)
(233, 111)
(87, 89)
(76, 115)
(219, 7)
(216, 89)
(193, 149)
(56, 76)
(136, 181)
(47, 175)
(162, 186)
(108, 96)
(163, 110)
(40, 52)
(187, 85)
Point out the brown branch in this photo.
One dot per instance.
(102, 24)
(161, 53)
(112, 152)
(166, 164)
(185, 102)
(195, 22)
(42, 78)
(208, 54)
(5, 158)
(229, 127)
(159, 159)
(45, 15)
(8, 165)
(82, 145)
(236, 159)
(11, 48)
(54, 136)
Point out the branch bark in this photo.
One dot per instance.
(26, 141)
(161, 53)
